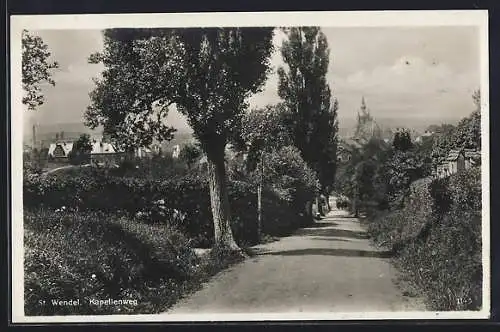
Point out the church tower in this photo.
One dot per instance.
(366, 126)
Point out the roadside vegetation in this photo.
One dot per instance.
(432, 225)
(153, 229)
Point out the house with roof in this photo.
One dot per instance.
(60, 150)
(424, 137)
(472, 158)
(458, 160)
(105, 153)
(455, 161)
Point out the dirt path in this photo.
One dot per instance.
(331, 267)
(57, 169)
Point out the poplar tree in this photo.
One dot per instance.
(305, 92)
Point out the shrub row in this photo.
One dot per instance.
(90, 256)
(183, 202)
(438, 235)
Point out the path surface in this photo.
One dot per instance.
(331, 267)
(57, 169)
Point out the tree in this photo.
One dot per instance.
(363, 177)
(263, 131)
(190, 154)
(327, 159)
(468, 132)
(402, 140)
(306, 94)
(404, 166)
(36, 69)
(208, 73)
(81, 150)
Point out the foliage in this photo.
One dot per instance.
(263, 130)
(190, 153)
(438, 236)
(81, 150)
(290, 176)
(465, 190)
(208, 73)
(365, 177)
(140, 80)
(86, 256)
(182, 201)
(157, 167)
(467, 134)
(36, 69)
(31, 169)
(342, 202)
(402, 140)
(402, 169)
(307, 96)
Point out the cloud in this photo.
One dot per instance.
(412, 73)
(409, 87)
(78, 74)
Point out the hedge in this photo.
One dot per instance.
(438, 235)
(97, 256)
(183, 202)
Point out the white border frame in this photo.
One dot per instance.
(478, 18)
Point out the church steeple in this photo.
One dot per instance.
(363, 104)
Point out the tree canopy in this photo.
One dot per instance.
(306, 93)
(264, 130)
(207, 73)
(81, 150)
(36, 69)
(221, 68)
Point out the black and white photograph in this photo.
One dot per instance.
(250, 166)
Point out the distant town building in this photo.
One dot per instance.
(366, 126)
(424, 137)
(101, 151)
(105, 153)
(60, 150)
(147, 152)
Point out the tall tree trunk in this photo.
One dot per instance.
(219, 199)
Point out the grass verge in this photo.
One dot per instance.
(95, 263)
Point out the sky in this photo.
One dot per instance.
(406, 73)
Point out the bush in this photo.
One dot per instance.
(465, 189)
(155, 168)
(87, 256)
(438, 239)
(98, 256)
(343, 203)
(182, 202)
(447, 265)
